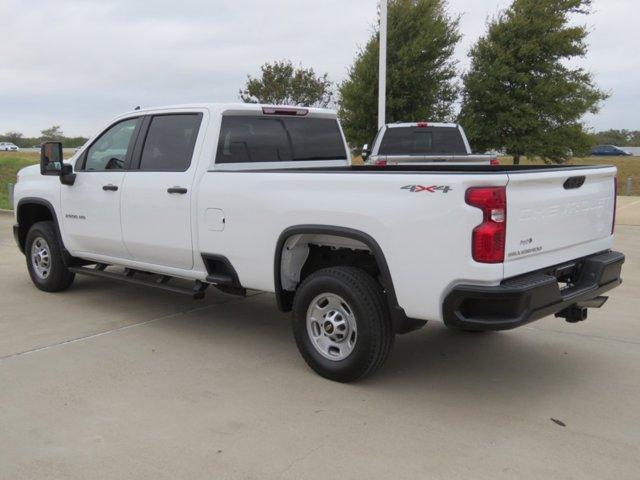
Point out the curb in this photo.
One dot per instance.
(6, 212)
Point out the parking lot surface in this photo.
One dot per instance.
(113, 381)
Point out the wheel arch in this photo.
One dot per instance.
(31, 210)
(284, 298)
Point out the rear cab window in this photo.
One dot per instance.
(422, 141)
(262, 139)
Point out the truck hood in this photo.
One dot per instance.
(30, 171)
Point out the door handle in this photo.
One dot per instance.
(110, 188)
(178, 190)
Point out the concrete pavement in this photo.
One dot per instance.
(112, 381)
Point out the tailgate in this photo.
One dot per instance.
(557, 216)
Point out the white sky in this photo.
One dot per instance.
(78, 63)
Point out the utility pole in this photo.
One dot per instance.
(382, 86)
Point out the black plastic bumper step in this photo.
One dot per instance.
(156, 281)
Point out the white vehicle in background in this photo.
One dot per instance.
(8, 147)
(250, 197)
(422, 143)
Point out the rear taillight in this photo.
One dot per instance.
(494, 162)
(423, 124)
(615, 204)
(380, 163)
(488, 242)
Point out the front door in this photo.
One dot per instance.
(157, 192)
(91, 206)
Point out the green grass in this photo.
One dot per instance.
(628, 167)
(11, 162)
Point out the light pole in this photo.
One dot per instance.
(382, 86)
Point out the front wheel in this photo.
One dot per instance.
(44, 259)
(341, 323)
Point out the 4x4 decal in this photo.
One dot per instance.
(431, 189)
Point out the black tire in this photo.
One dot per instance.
(366, 300)
(58, 277)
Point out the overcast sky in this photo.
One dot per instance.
(78, 63)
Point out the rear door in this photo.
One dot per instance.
(158, 191)
(557, 216)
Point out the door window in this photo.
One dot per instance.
(170, 142)
(110, 151)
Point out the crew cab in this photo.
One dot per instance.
(423, 143)
(252, 197)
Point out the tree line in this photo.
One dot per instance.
(52, 134)
(521, 94)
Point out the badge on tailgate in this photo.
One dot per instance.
(431, 189)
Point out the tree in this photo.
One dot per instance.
(421, 73)
(13, 137)
(52, 134)
(520, 93)
(621, 138)
(281, 83)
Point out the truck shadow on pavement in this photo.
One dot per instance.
(253, 335)
(522, 364)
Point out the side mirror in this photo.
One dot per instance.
(67, 177)
(51, 163)
(51, 158)
(365, 151)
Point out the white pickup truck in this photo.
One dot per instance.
(264, 198)
(423, 143)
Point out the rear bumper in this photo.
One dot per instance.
(521, 300)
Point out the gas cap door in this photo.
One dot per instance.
(214, 219)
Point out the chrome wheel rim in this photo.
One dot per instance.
(332, 326)
(41, 258)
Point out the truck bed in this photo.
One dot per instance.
(446, 169)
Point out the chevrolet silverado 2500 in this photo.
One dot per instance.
(264, 198)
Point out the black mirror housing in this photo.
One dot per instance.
(51, 158)
(67, 177)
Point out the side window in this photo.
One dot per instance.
(109, 152)
(170, 142)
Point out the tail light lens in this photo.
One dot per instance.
(381, 163)
(615, 204)
(488, 242)
(494, 162)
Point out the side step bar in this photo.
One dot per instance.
(156, 281)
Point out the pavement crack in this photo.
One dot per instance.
(583, 335)
(295, 461)
(120, 329)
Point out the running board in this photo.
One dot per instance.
(156, 281)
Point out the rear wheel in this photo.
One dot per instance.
(341, 323)
(44, 259)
